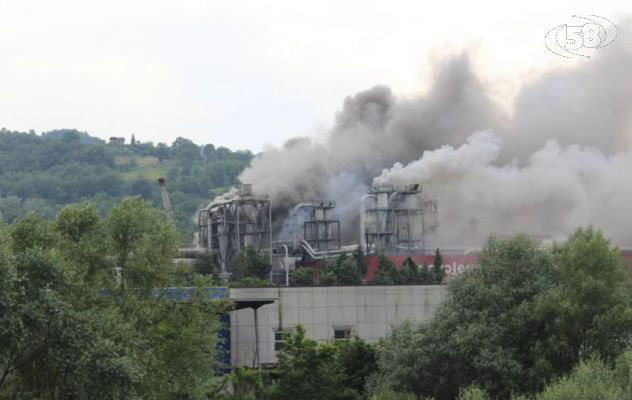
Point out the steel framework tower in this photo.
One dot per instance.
(397, 219)
(229, 226)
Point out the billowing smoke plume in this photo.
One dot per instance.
(556, 190)
(559, 161)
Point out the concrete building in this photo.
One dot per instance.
(117, 140)
(328, 313)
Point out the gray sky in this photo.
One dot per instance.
(251, 74)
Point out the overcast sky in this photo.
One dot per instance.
(248, 74)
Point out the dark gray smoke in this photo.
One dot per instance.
(560, 160)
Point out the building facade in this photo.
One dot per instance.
(327, 313)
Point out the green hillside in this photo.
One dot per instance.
(45, 172)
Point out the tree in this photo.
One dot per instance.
(45, 173)
(517, 321)
(205, 265)
(66, 331)
(184, 150)
(358, 361)
(343, 271)
(473, 393)
(425, 275)
(307, 370)
(484, 331)
(590, 379)
(438, 273)
(359, 258)
(410, 272)
(143, 188)
(386, 393)
(587, 308)
(251, 263)
(144, 243)
(246, 384)
(385, 273)
(83, 240)
(162, 152)
(51, 339)
(327, 278)
(303, 277)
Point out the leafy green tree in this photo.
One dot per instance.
(83, 240)
(50, 343)
(516, 322)
(411, 273)
(438, 273)
(186, 151)
(143, 188)
(144, 243)
(484, 331)
(587, 308)
(344, 270)
(425, 275)
(162, 152)
(303, 277)
(360, 260)
(358, 361)
(473, 393)
(45, 173)
(327, 278)
(246, 384)
(205, 265)
(251, 263)
(590, 379)
(307, 370)
(385, 273)
(32, 231)
(66, 332)
(386, 393)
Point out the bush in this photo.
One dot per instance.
(525, 316)
(303, 277)
(590, 380)
(250, 282)
(342, 271)
(385, 393)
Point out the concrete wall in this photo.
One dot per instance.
(369, 311)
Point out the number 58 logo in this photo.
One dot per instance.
(565, 40)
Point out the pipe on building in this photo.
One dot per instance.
(319, 255)
(294, 218)
(362, 222)
(287, 268)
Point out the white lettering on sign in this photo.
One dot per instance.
(456, 269)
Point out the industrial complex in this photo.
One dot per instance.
(394, 220)
(397, 221)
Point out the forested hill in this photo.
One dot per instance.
(46, 172)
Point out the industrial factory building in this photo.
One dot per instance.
(394, 220)
(258, 328)
(398, 221)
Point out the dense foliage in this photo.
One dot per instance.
(45, 172)
(525, 316)
(309, 370)
(352, 270)
(410, 273)
(70, 328)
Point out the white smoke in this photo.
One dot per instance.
(556, 190)
(560, 159)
